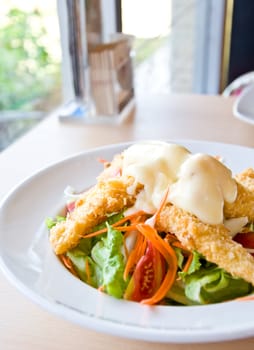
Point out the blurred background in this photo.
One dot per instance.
(179, 46)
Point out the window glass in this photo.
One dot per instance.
(30, 79)
(164, 43)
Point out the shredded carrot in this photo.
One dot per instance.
(170, 237)
(177, 244)
(126, 228)
(135, 255)
(169, 254)
(143, 247)
(68, 264)
(151, 221)
(103, 161)
(188, 263)
(130, 217)
(121, 221)
(246, 298)
(128, 233)
(173, 241)
(162, 204)
(96, 233)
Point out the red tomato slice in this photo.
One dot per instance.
(246, 239)
(148, 275)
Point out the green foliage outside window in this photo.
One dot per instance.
(27, 70)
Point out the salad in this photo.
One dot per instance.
(161, 226)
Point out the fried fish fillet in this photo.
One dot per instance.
(106, 197)
(212, 241)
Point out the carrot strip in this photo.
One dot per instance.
(188, 263)
(163, 202)
(135, 255)
(170, 237)
(130, 217)
(126, 228)
(96, 233)
(121, 221)
(177, 244)
(172, 240)
(152, 221)
(68, 264)
(127, 233)
(246, 298)
(143, 247)
(102, 160)
(169, 254)
(151, 234)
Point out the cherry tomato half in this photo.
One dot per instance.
(246, 239)
(147, 276)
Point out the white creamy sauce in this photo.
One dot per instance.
(199, 183)
(235, 225)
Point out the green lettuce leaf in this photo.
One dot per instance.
(177, 294)
(205, 283)
(107, 253)
(80, 260)
(180, 257)
(211, 285)
(50, 222)
(85, 245)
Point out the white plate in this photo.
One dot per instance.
(27, 260)
(243, 107)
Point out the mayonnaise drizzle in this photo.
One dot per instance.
(199, 183)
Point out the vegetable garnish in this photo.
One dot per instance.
(168, 253)
(136, 253)
(147, 276)
(157, 267)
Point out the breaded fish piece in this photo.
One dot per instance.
(244, 204)
(212, 241)
(106, 197)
